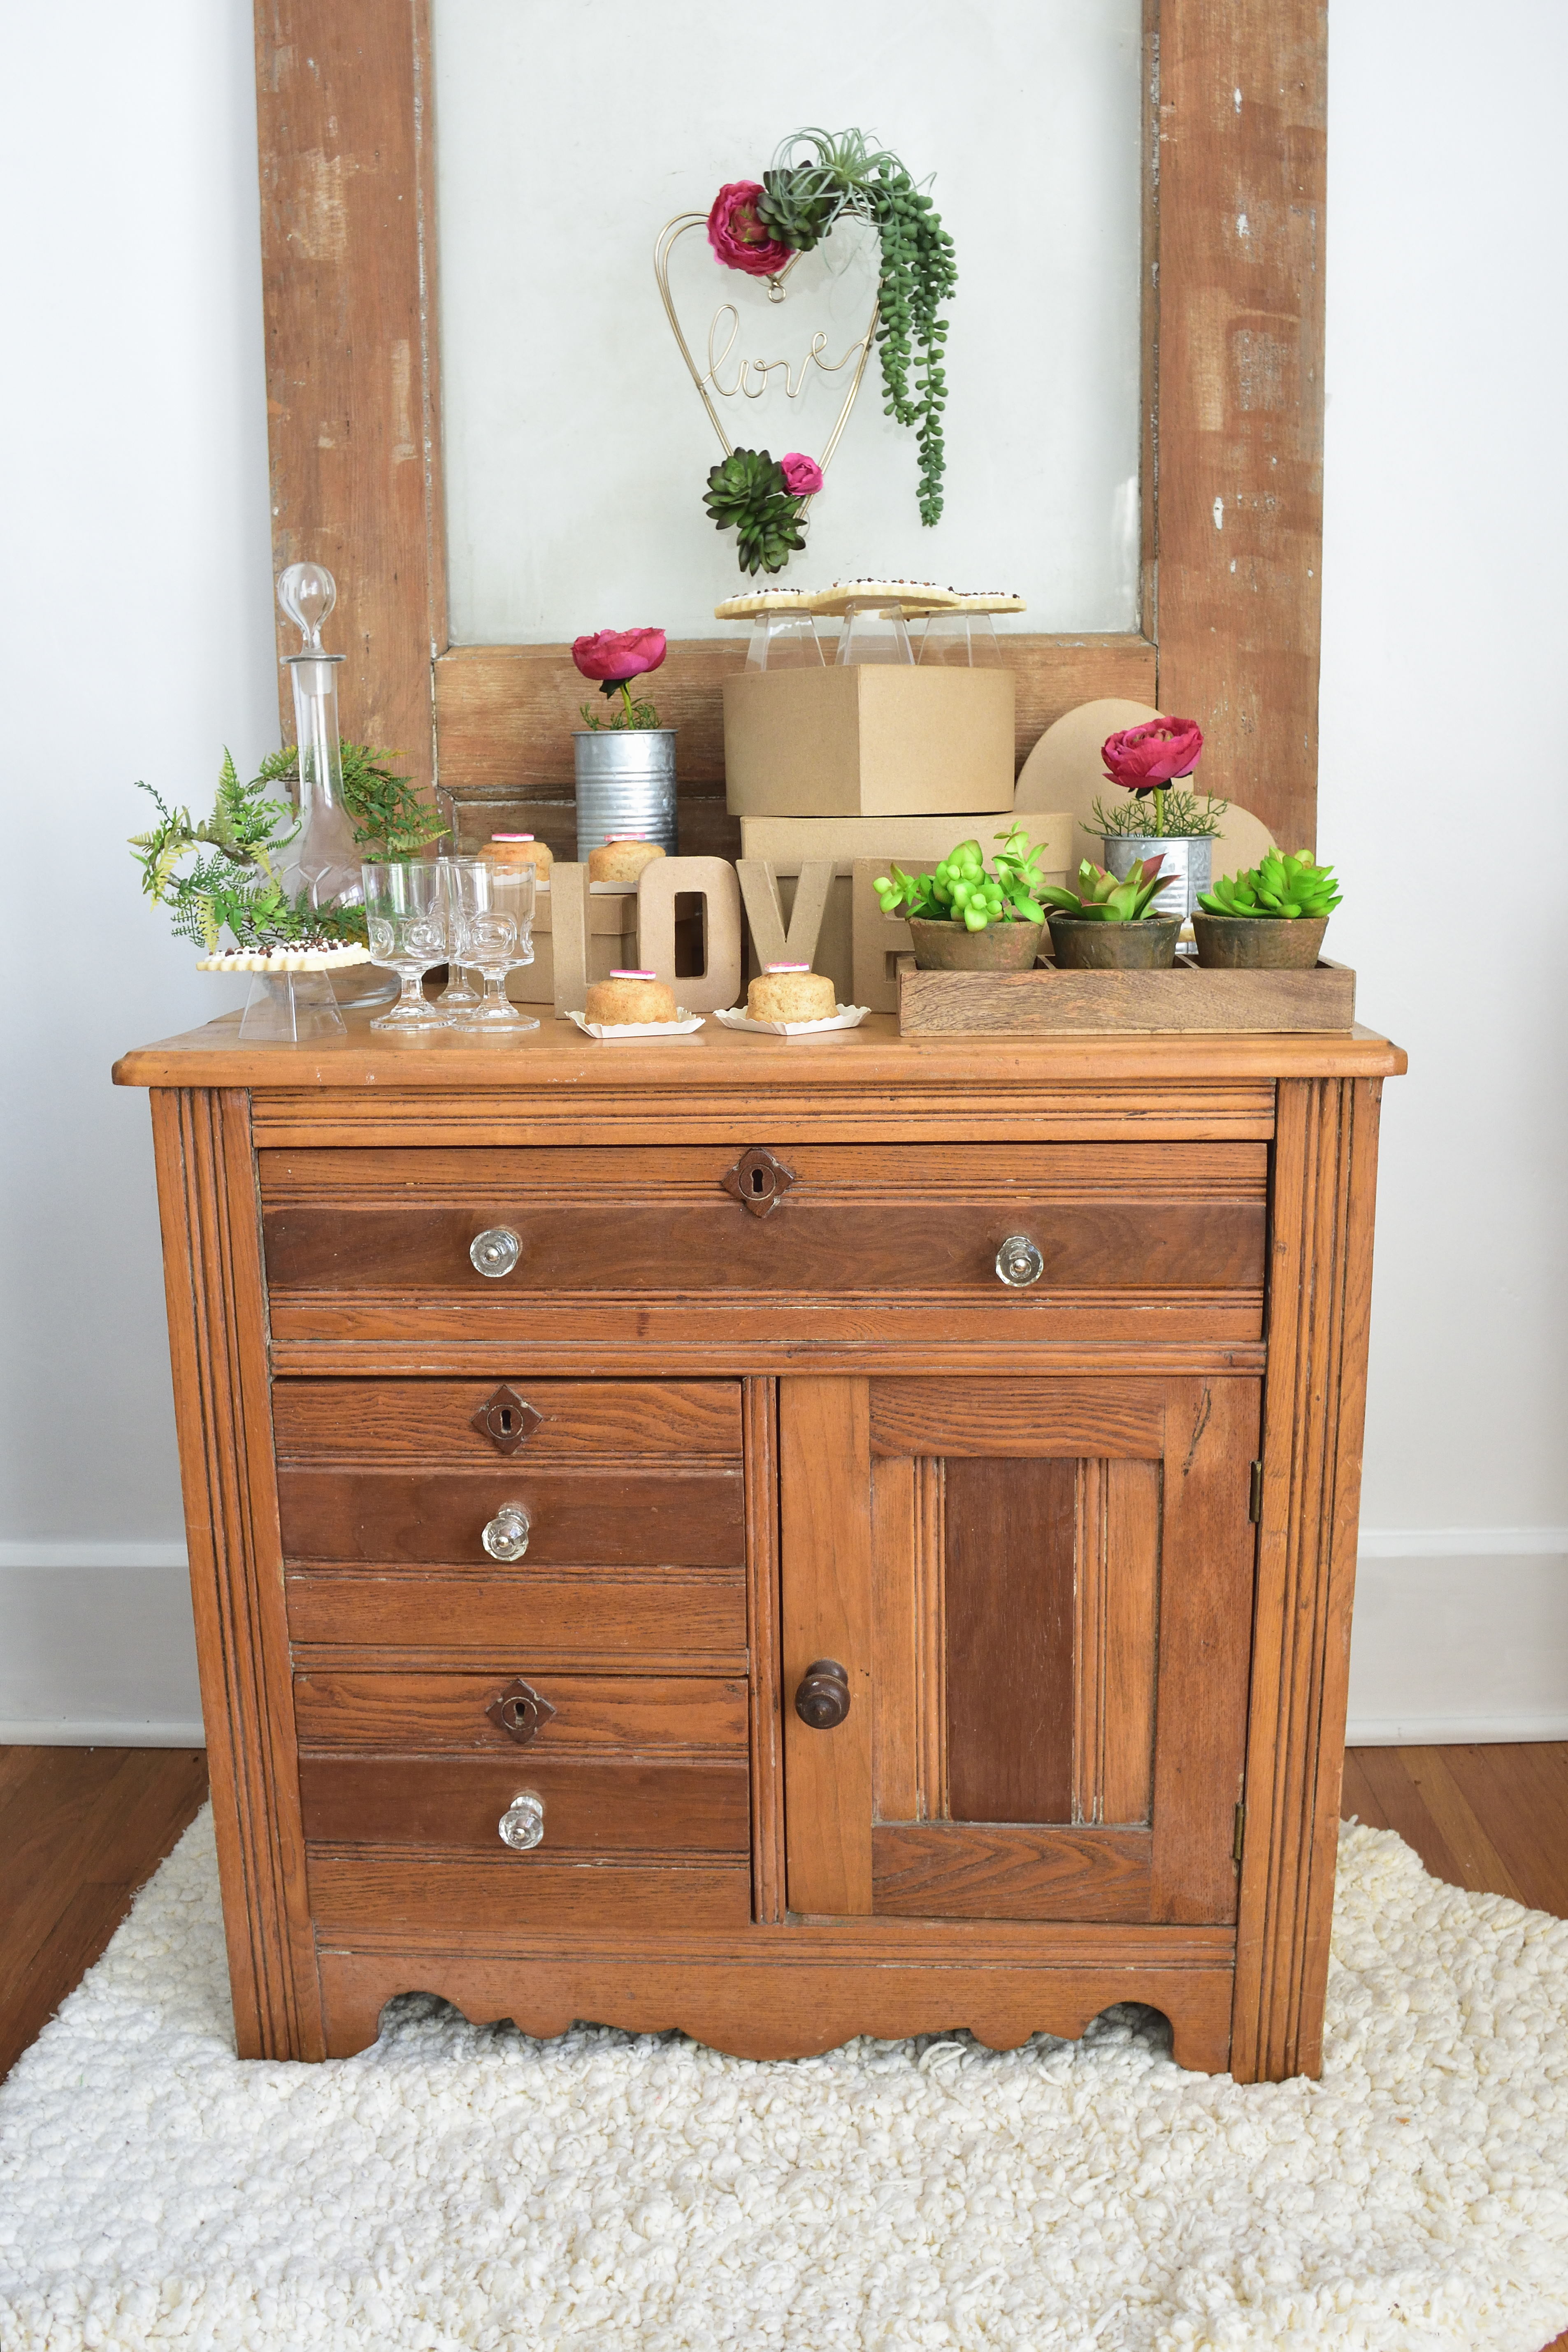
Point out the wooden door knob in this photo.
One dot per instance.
(823, 1699)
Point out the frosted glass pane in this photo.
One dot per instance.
(568, 131)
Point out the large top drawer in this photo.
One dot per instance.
(843, 1219)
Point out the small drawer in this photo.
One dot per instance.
(592, 1805)
(518, 1902)
(600, 1516)
(541, 1423)
(345, 1711)
(1145, 1222)
(562, 1617)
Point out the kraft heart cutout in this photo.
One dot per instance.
(723, 332)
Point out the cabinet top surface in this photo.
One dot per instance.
(558, 1055)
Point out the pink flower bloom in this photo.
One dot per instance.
(738, 236)
(1140, 758)
(803, 474)
(618, 653)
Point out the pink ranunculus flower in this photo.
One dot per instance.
(613, 654)
(738, 236)
(1142, 758)
(803, 474)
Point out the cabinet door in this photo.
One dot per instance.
(1040, 1592)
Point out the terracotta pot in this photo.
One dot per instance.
(1147, 945)
(1258, 942)
(952, 947)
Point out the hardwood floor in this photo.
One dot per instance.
(82, 1828)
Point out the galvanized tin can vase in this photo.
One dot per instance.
(1189, 864)
(625, 784)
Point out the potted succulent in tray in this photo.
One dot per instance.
(1113, 921)
(963, 919)
(1273, 915)
(1150, 763)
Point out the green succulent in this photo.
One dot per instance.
(845, 175)
(962, 891)
(746, 494)
(1287, 888)
(1101, 898)
(795, 208)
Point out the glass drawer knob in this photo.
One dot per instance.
(522, 1823)
(506, 1537)
(1018, 1262)
(495, 1251)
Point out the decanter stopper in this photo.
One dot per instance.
(307, 593)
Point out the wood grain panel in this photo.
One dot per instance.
(764, 1650)
(455, 1175)
(1090, 1568)
(598, 1804)
(425, 1421)
(505, 713)
(807, 1245)
(910, 1639)
(587, 1614)
(1008, 1541)
(217, 1343)
(482, 1114)
(989, 1417)
(896, 1628)
(409, 1900)
(1131, 1636)
(1239, 393)
(758, 2007)
(615, 1517)
(1207, 1551)
(432, 1713)
(825, 1517)
(348, 274)
(974, 1871)
(1319, 1305)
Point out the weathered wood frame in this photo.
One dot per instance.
(1232, 410)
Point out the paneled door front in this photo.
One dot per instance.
(1016, 1625)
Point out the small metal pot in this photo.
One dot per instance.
(953, 947)
(625, 784)
(1258, 942)
(1147, 945)
(1189, 864)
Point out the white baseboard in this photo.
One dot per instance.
(1461, 1634)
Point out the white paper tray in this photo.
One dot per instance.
(847, 1016)
(613, 1032)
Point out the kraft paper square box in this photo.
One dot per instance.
(873, 739)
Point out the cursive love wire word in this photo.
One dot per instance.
(764, 368)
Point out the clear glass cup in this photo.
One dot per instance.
(875, 633)
(494, 935)
(784, 641)
(459, 995)
(960, 641)
(405, 916)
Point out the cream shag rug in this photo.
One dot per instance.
(462, 2186)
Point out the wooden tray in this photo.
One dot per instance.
(1047, 999)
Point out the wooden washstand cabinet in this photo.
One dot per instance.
(785, 1538)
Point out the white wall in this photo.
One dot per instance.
(134, 427)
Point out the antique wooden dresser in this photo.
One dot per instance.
(784, 1539)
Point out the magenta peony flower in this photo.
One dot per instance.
(616, 655)
(738, 236)
(1142, 758)
(803, 474)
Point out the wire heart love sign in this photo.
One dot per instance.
(724, 375)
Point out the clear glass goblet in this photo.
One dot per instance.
(459, 995)
(495, 935)
(405, 916)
